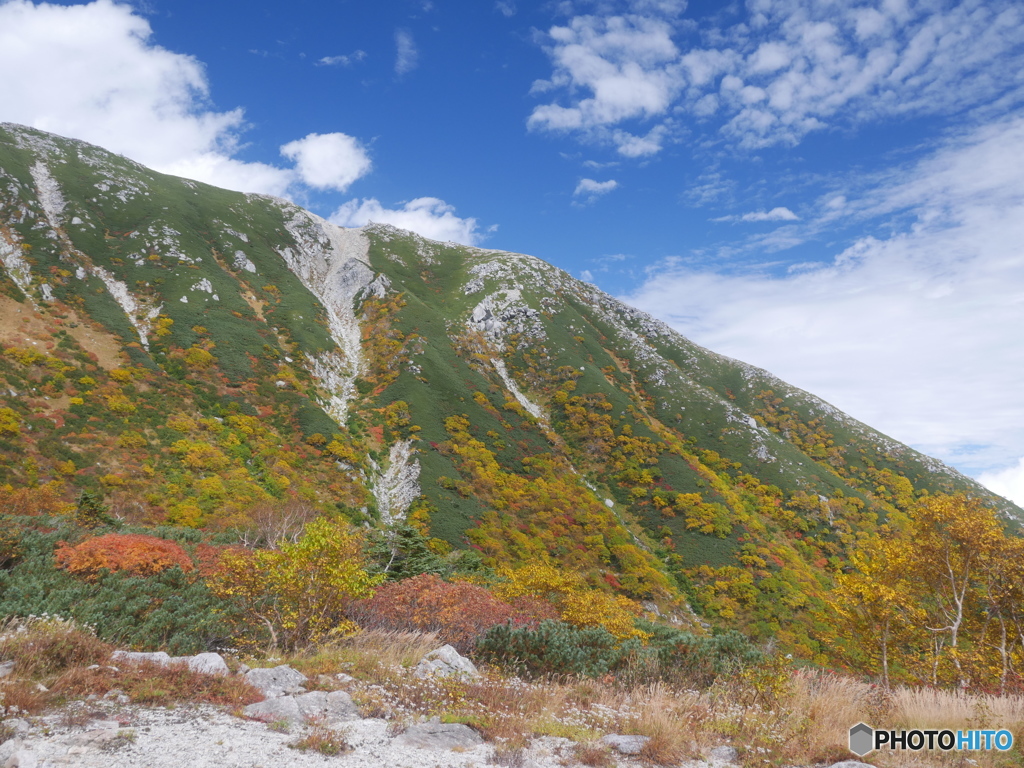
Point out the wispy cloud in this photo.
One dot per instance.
(788, 68)
(346, 60)
(506, 8)
(775, 214)
(406, 54)
(588, 190)
(875, 328)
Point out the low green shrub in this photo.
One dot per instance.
(554, 648)
(687, 660)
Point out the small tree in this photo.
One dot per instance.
(91, 512)
(299, 593)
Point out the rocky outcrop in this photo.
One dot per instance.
(276, 681)
(206, 663)
(625, 745)
(316, 706)
(438, 735)
(446, 662)
(396, 486)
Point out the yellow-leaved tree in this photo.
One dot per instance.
(939, 596)
(576, 602)
(300, 592)
(873, 610)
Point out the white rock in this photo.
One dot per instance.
(208, 664)
(446, 662)
(276, 681)
(440, 736)
(332, 707)
(156, 657)
(720, 755)
(625, 745)
(283, 708)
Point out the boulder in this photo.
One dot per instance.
(276, 681)
(281, 708)
(851, 764)
(6, 667)
(625, 745)
(156, 657)
(446, 662)
(331, 707)
(721, 755)
(207, 663)
(439, 736)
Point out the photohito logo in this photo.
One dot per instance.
(864, 739)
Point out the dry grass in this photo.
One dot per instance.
(320, 738)
(21, 697)
(773, 715)
(156, 685)
(368, 655)
(44, 646)
(595, 755)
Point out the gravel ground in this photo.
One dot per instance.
(202, 736)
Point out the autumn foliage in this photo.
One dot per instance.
(300, 593)
(935, 598)
(136, 553)
(34, 501)
(459, 612)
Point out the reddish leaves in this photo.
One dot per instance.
(135, 553)
(458, 612)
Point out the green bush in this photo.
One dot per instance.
(554, 649)
(689, 660)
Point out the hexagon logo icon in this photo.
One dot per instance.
(862, 739)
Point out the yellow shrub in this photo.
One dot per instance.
(299, 592)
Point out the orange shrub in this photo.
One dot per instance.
(136, 553)
(41, 500)
(459, 612)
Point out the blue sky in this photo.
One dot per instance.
(831, 190)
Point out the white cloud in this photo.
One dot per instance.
(328, 161)
(625, 65)
(506, 8)
(775, 214)
(587, 276)
(1008, 483)
(789, 68)
(346, 60)
(406, 55)
(93, 73)
(918, 334)
(589, 190)
(427, 216)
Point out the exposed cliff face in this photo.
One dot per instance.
(331, 263)
(260, 352)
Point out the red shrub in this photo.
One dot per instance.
(208, 557)
(459, 612)
(135, 553)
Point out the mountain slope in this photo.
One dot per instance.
(199, 355)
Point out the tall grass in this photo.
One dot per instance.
(772, 714)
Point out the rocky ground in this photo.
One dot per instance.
(292, 726)
(106, 734)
